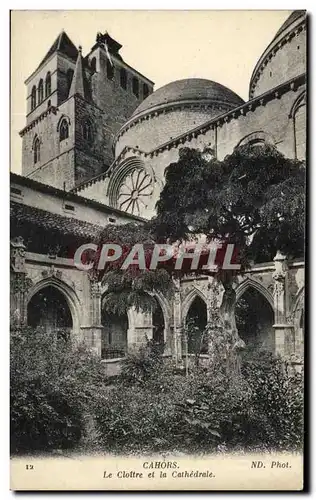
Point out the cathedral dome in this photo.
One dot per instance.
(284, 58)
(190, 89)
(174, 109)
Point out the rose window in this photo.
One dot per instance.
(134, 192)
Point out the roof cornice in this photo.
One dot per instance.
(277, 43)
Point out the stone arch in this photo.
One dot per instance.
(190, 297)
(255, 138)
(60, 121)
(300, 101)
(195, 309)
(249, 282)
(298, 116)
(167, 316)
(124, 194)
(254, 315)
(69, 294)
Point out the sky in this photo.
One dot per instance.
(223, 46)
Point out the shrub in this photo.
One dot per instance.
(53, 385)
(277, 400)
(211, 409)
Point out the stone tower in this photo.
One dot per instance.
(75, 105)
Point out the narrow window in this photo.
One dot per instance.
(87, 131)
(135, 87)
(48, 85)
(123, 78)
(37, 147)
(109, 70)
(63, 130)
(40, 91)
(145, 90)
(33, 98)
(93, 64)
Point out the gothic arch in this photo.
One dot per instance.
(166, 311)
(69, 294)
(189, 299)
(257, 137)
(254, 315)
(251, 283)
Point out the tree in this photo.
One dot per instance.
(254, 198)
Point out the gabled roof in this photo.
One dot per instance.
(63, 45)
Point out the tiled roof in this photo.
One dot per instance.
(25, 214)
(194, 89)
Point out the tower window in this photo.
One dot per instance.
(37, 148)
(40, 91)
(93, 64)
(87, 131)
(109, 70)
(135, 87)
(63, 130)
(145, 90)
(123, 78)
(48, 85)
(33, 98)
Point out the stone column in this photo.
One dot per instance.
(283, 330)
(95, 340)
(19, 283)
(140, 328)
(178, 326)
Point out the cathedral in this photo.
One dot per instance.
(95, 146)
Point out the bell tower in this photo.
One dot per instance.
(75, 105)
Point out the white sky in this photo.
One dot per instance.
(163, 45)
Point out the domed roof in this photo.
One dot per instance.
(296, 14)
(190, 89)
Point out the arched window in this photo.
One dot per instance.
(48, 85)
(87, 131)
(63, 130)
(40, 91)
(145, 90)
(93, 64)
(49, 309)
(195, 323)
(37, 148)
(254, 320)
(33, 98)
(70, 74)
(123, 78)
(109, 70)
(114, 335)
(135, 87)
